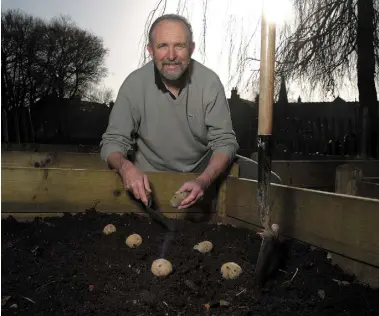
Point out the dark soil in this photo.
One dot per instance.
(67, 266)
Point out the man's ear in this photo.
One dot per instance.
(150, 50)
(192, 48)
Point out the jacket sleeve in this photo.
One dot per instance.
(221, 136)
(122, 125)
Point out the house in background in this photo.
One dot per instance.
(70, 121)
(312, 125)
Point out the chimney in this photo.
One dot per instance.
(234, 94)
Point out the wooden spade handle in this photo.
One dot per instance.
(267, 69)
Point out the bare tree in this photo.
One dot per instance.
(333, 40)
(99, 94)
(75, 58)
(22, 82)
(42, 58)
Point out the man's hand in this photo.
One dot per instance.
(217, 164)
(136, 181)
(196, 188)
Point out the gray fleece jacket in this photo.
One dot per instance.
(170, 134)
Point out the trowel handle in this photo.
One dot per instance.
(149, 198)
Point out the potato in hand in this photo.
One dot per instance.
(178, 198)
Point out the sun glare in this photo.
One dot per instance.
(277, 11)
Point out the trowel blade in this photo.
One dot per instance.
(160, 217)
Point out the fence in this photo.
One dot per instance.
(324, 137)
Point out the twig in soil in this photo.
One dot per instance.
(297, 269)
(43, 285)
(289, 281)
(28, 299)
(341, 282)
(165, 303)
(238, 294)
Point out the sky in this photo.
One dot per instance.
(121, 24)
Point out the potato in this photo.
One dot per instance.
(230, 270)
(161, 267)
(204, 246)
(133, 241)
(109, 229)
(178, 198)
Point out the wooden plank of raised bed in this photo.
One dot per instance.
(341, 224)
(63, 160)
(57, 160)
(318, 174)
(308, 174)
(349, 181)
(70, 190)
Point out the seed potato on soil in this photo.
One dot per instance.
(230, 270)
(161, 267)
(71, 268)
(204, 246)
(109, 229)
(133, 241)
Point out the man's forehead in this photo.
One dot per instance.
(170, 30)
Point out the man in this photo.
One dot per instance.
(175, 111)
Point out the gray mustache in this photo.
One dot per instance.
(172, 63)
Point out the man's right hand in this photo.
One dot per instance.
(135, 181)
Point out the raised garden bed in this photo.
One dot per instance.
(68, 266)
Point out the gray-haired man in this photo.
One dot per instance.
(174, 112)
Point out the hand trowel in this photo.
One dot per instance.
(157, 215)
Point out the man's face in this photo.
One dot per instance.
(171, 49)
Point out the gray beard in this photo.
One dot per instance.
(171, 76)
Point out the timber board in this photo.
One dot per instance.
(313, 174)
(318, 174)
(54, 190)
(342, 224)
(69, 160)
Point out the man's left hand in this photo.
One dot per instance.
(196, 188)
